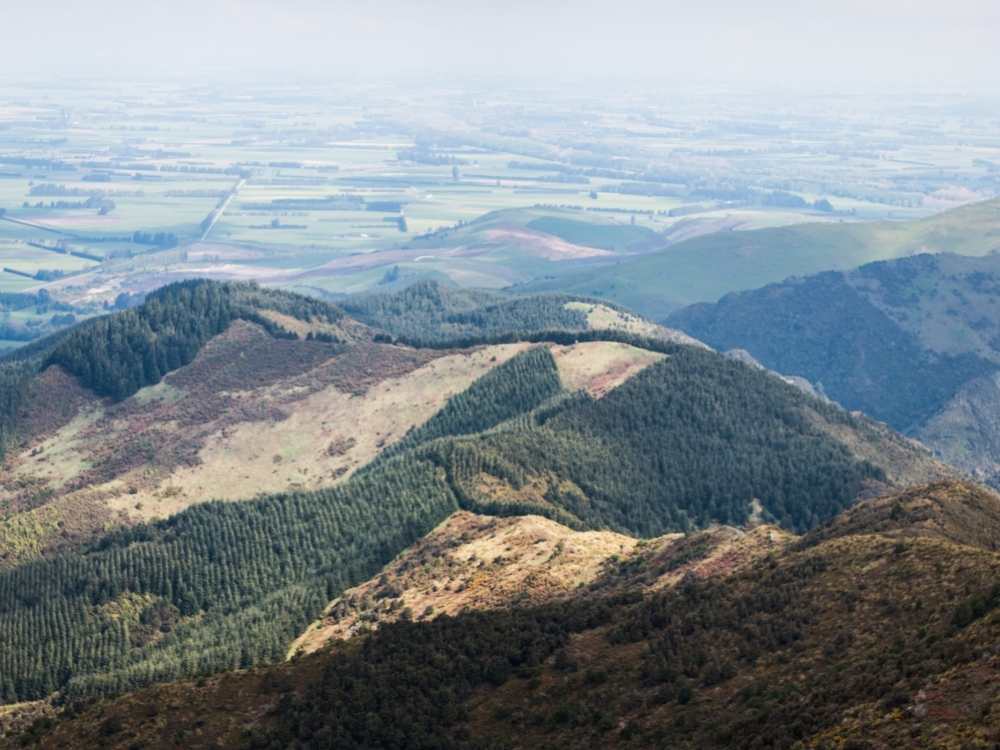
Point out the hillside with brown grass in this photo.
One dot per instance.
(472, 562)
(250, 415)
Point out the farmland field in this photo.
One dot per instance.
(111, 192)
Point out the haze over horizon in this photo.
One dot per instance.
(849, 46)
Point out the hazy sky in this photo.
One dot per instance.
(953, 44)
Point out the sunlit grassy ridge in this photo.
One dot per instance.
(705, 268)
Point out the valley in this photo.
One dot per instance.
(110, 192)
(446, 412)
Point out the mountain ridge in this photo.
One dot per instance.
(645, 436)
(914, 342)
(908, 659)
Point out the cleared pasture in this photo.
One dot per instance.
(618, 167)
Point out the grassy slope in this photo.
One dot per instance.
(705, 268)
(471, 562)
(605, 236)
(588, 229)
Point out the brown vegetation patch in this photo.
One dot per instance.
(245, 357)
(344, 330)
(604, 318)
(713, 553)
(353, 405)
(598, 367)
(54, 399)
(956, 710)
(474, 562)
(15, 718)
(470, 562)
(543, 245)
(358, 368)
(243, 375)
(960, 512)
(43, 470)
(494, 490)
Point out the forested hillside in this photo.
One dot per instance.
(693, 439)
(914, 342)
(14, 376)
(217, 587)
(687, 441)
(428, 313)
(118, 354)
(792, 651)
(681, 438)
(827, 330)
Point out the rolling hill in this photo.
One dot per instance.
(343, 448)
(271, 402)
(573, 226)
(705, 268)
(914, 342)
(875, 630)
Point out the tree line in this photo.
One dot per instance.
(117, 355)
(219, 586)
(427, 314)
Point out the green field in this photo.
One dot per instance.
(705, 268)
(330, 191)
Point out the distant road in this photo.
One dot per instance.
(36, 226)
(19, 273)
(66, 251)
(217, 213)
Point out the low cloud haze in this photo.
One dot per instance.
(783, 44)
